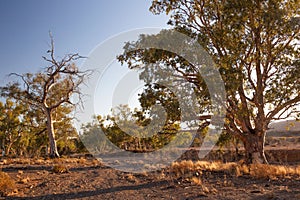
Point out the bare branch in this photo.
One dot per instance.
(281, 107)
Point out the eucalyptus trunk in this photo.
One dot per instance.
(51, 135)
(254, 148)
(8, 148)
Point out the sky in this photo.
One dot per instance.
(78, 26)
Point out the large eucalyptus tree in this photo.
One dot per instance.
(255, 45)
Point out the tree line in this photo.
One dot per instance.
(253, 43)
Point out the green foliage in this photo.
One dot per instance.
(160, 95)
(23, 130)
(243, 36)
(255, 46)
(11, 125)
(66, 135)
(92, 136)
(128, 130)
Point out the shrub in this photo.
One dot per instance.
(60, 169)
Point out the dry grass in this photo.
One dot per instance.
(274, 171)
(189, 169)
(24, 180)
(7, 184)
(60, 168)
(184, 169)
(197, 180)
(81, 161)
(131, 178)
(21, 161)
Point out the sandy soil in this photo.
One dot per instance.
(89, 179)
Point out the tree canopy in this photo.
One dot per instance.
(255, 46)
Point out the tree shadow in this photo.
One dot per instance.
(84, 194)
(26, 168)
(49, 168)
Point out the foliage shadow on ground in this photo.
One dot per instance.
(84, 194)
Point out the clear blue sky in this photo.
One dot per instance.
(77, 26)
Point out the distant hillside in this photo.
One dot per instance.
(288, 128)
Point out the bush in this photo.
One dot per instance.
(60, 168)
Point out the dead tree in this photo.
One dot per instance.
(49, 89)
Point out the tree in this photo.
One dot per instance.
(23, 130)
(11, 126)
(127, 129)
(131, 129)
(255, 45)
(50, 90)
(65, 132)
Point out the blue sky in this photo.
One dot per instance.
(77, 26)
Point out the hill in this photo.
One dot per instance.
(288, 128)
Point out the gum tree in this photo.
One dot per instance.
(55, 87)
(255, 45)
(11, 126)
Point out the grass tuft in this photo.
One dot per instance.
(60, 168)
(273, 171)
(7, 184)
(188, 169)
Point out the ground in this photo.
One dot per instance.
(87, 178)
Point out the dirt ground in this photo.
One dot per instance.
(86, 178)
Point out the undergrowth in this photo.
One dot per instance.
(190, 169)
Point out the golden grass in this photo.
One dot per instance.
(48, 161)
(7, 184)
(189, 169)
(60, 168)
(273, 171)
(131, 178)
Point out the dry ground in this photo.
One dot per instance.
(86, 178)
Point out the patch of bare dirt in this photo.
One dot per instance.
(86, 178)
